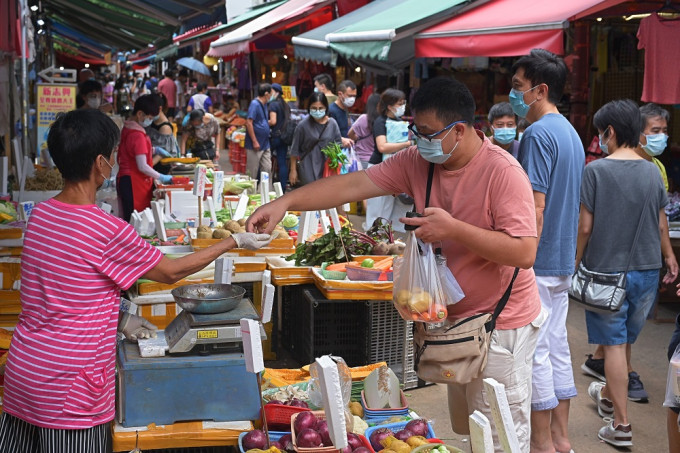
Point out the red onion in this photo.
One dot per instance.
(308, 438)
(362, 450)
(418, 427)
(275, 402)
(304, 420)
(347, 449)
(286, 442)
(378, 435)
(403, 434)
(254, 439)
(354, 441)
(297, 403)
(322, 429)
(276, 444)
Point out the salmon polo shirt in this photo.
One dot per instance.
(491, 192)
(75, 261)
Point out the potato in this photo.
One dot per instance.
(420, 301)
(283, 235)
(402, 297)
(396, 249)
(380, 248)
(204, 228)
(242, 222)
(204, 234)
(232, 226)
(241, 230)
(221, 233)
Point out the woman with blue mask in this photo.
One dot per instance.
(312, 134)
(504, 127)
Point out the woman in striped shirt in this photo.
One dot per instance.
(59, 379)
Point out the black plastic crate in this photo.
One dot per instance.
(320, 326)
(290, 297)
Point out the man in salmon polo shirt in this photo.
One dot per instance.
(481, 211)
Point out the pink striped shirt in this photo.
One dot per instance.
(60, 369)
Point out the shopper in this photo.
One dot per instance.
(481, 212)
(504, 127)
(362, 131)
(168, 88)
(653, 139)
(605, 202)
(552, 155)
(59, 388)
(324, 84)
(200, 100)
(258, 153)
(279, 115)
(312, 134)
(108, 88)
(391, 107)
(136, 176)
(151, 84)
(181, 83)
(121, 97)
(201, 136)
(673, 413)
(89, 94)
(339, 110)
(162, 136)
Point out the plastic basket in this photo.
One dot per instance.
(396, 427)
(427, 448)
(273, 436)
(332, 275)
(393, 410)
(279, 415)
(321, 416)
(368, 274)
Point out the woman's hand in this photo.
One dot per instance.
(293, 176)
(671, 270)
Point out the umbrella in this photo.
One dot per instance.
(194, 65)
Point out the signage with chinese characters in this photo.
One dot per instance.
(51, 100)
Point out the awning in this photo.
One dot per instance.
(238, 41)
(506, 28)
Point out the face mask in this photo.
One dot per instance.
(399, 112)
(155, 118)
(318, 114)
(110, 181)
(656, 144)
(519, 136)
(147, 122)
(603, 146)
(93, 103)
(517, 102)
(504, 135)
(316, 89)
(432, 150)
(273, 97)
(349, 102)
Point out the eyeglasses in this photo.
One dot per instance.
(430, 137)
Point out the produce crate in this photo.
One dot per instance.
(391, 341)
(319, 326)
(10, 272)
(159, 315)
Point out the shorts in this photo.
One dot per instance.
(624, 326)
(18, 436)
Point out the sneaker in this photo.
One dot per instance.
(594, 367)
(636, 391)
(604, 406)
(621, 436)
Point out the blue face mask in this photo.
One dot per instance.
(316, 89)
(147, 122)
(519, 136)
(517, 102)
(504, 135)
(604, 146)
(432, 151)
(656, 144)
(318, 114)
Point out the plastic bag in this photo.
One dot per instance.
(328, 171)
(673, 382)
(449, 283)
(352, 163)
(418, 293)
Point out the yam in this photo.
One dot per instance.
(204, 234)
(232, 226)
(203, 228)
(220, 233)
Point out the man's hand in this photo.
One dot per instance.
(265, 218)
(135, 327)
(435, 225)
(671, 270)
(347, 142)
(251, 241)
(256, 146)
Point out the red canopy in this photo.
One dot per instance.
(506, 28)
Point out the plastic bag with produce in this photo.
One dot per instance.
(418, 292)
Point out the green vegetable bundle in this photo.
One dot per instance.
(334, 154)
(329, 248)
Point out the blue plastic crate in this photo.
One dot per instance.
(273, 435)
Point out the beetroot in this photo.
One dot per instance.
(305, 420)
(378, 435)
(254, 439)
(418, 427)
(403, 434)
(354, 441)
(322, 429)
(308, 438)
(286, 442)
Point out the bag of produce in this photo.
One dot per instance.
(418, 293)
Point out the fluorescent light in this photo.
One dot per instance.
(358, 69)
(273, 74)
(87, 65)
(34, 8)
(40, 22)
(635, 16)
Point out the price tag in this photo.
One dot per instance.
(264, 187)
(200, 180)
(224, 268)
(332, 401)
(218, 189)
(252, 345)
(268, 303)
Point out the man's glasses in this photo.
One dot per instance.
(429, 137)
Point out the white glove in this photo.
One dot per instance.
(251, 241)
(135, 327)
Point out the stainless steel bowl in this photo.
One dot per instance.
(207, 298)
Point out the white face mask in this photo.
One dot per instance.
(399, 111)
(94, 103)
(349, 102)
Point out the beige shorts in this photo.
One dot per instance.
(510, 363)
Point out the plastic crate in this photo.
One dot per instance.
(323, 327)
(273, 436)
(279, 415)
(396, 427)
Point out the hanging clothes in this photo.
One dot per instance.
(661, 41)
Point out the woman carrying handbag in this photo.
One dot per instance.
(622, 211)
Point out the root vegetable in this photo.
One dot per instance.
(305, 420)
(232, 226)
(381, 248)
(322, 429)
(354, 441)
(220, 233)
(308, 438)
(377, 436)
(204, 235)
(254, 439)
(418, 427)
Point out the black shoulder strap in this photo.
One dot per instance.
(430, 176)
(306, 153)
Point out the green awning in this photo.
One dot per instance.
(387, 22)
(167, 52)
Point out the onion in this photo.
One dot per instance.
(297, 403)
(322, 429)
(308, 438)
(276, 444)
(378, 435)
(354, 441)
(347, 449)
(286, 442)
(362, 450)
(254, 439)
(403, 434)
(418, 427)
(274, 402)
(305, 420)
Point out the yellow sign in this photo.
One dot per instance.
(206, 334)
(52, 99)
(289, 94)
